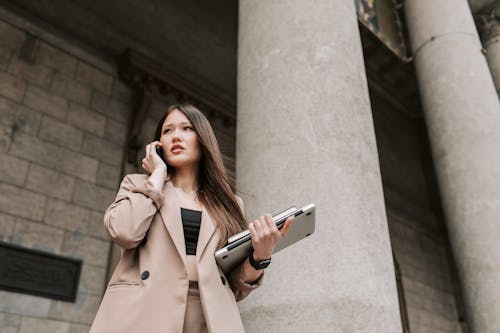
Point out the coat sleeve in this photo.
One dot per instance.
(128, 218)
(237, 279)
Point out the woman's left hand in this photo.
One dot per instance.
(265, 235)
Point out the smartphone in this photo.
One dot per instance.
(159, 151)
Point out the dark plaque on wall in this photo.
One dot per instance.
(38, 273)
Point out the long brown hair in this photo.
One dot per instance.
(215, 189)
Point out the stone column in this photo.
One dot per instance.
(305, 134)
(489, 28)
(462, 113)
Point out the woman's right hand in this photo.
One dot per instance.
(152, 161)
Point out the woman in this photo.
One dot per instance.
(169, 224)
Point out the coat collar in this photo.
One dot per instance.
(171, 216)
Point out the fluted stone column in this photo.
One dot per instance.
(462, 113)
(489, 29)
(305, 134)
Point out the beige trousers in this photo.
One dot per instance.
(194, 320)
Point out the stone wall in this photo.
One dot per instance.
(416, 226)
(63, 116)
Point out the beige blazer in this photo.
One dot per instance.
(148, 289)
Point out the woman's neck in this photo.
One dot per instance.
(186, 179)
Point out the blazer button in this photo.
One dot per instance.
(223, 280)
(144, 275)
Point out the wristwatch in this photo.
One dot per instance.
(259, 264)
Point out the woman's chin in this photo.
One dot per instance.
(180, 163)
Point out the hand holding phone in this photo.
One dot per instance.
(159, 151)
(151, 162)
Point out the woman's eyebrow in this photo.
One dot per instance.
(172, 124)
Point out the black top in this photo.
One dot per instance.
(191, 221)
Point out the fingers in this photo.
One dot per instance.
(253, 232)
(155, 144)
(265, 235)
(151, 158)
(270, 223)
(287, 225)
(265, 227)
(151, 148)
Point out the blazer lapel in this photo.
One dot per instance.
(171, 215)
(207, 230)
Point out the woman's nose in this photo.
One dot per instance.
(175, 134)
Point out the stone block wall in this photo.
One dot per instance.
(63, 120)
(417, 229)
(428, 279)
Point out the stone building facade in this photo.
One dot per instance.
(310, 106)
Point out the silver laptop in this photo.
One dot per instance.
(239, 246)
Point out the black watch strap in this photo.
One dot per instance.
(258, 264)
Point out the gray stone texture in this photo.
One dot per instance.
(6, 137)
(418, 234)
(78, 165)
(7, 226)
(82, 311)
(79, 328)
(103, 150)
(86, 119)
(92, 279)
(94, 77)
(12, 87)
(12, 38)
(37, 236)
(20, 202)
(96, 226)
(5, 56)
(93, 251)
(38, 325)
(463, 119)
(67, 216)
(34, 73)
(92, 196)
(17, 116)
(60, 133)
(75, 91)
(50, 182)
(27, 305)
(110, 107)
(305, 134)
(43, 101)
(58, 59)
(428, 289)
(13, 170)
(115, 131)
(33, 149)
(48, 190)
(9, 323)
(121, 91)
(108, 176)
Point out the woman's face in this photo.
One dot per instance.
(179, 141)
